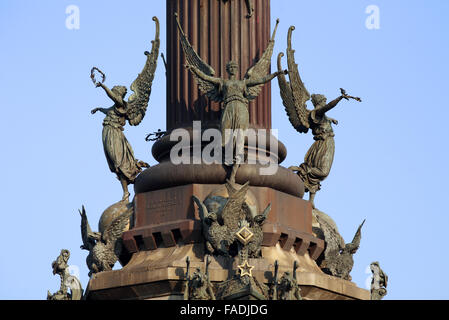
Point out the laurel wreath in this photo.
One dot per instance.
(92, 75)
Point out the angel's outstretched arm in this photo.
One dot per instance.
(118, 100)
(204, 76)
(256, 82)
(322, 110)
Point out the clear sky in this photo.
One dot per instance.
(391, 163)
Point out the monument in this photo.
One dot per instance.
(247, 234)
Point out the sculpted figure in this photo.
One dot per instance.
(223, 218)
(234, 94)
(318, 160)
(104, 248)
(379, 282)
(198, 286)
(287, 288)
(338, 256)
(118, 151)
(61, 268)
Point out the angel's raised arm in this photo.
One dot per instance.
(268, 78)
(202, 75)
(322, 110)
(117, 99)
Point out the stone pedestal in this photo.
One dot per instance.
(166, 230)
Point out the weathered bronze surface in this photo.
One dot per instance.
(234, 94)
(198, 286)
(60, 267)
(118, 151)
(337, 257)
(379, 282)
(287, 288)
(105, 247)
(318, 160)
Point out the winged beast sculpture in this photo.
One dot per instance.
(223, 219)
(118, 151)
(318, 160)
(338, 256)
(234, 94)
(104, 248)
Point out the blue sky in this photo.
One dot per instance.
(391, 163)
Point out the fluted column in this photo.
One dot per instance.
(219, 31)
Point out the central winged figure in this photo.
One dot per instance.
(234, 94)
(118, 151)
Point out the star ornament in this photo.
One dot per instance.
(246, 269)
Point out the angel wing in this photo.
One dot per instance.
(294, 94)
(87, 235)
(233, 206)
(261, 68)
(193, 59)
(138, 101)
(116, 228)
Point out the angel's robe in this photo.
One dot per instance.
(118, 151)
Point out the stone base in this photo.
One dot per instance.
(160, 275)
(168, 218)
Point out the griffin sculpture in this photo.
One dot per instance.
(338, 256)
(118, 151)
(318, 160)
(234, 94)
(104, 248)
(223, 219)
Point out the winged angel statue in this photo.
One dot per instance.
(104, 248)
(234, 94)
(118, 151)
(318, 160)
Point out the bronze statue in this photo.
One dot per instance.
(379, 282)
(229, 225)
(234, 94)
(118, 151)
(287, 288)
(198, 286)
(318, 160)
(61, 268)
(338, 256)
(104, 248)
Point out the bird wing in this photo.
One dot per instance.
(138, 101)
(334, 241)
(261, 68)
(86, 232)
(117, 227)
(355, 244)
(294, 93)
(193, 59)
